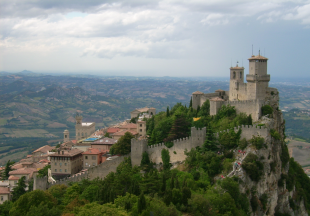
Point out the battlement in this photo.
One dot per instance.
(248, 131)
(233, 103)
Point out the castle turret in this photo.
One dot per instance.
(66, 136)
(196, 99)
(236, 82)
(257, 79)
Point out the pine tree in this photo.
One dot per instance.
(191, 102)
(250, 120)
(20, 189)
(167, 113)
(177, 184)
(165, 156)
(7, 169)
(209, 144)
(197, 111)
(141, 203)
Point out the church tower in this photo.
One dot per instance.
(78, 126)
(236, 82)
(66, 136)
(258, 79)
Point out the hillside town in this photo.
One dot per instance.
(89, 148)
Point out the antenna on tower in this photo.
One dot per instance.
(230, 62)
(252, 49)
(242, 62)
(259, 52)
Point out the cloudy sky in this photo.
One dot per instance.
(154, 38)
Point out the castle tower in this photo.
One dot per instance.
(141, 128)
(236, 83)
(196, 99)
(66, 136)
(78, 126)
(257, 79)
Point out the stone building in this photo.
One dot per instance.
(92, 157)
(4, 194)
(83, 129)
(151, 111)
(246, 97)
(66, 162)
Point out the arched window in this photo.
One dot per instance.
(234, 75)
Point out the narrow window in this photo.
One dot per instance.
(240, 74)
(234, 75)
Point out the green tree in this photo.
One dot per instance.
(43, 210)
(20, 189)
(96, 209)
(8, 168)
(141, 203)
(123, 145)
(107, 135)
(165, 156)
(186, 195)
(5, 208)
(58, 192)
(205, 109)
(32, 199)
(250, 121)
(167, 112)
(44, 171)
(179, 129)
(191, 102)
(266, 109)
(145, 162)
(210, 142)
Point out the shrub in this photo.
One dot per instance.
(253, 167)
(257, 141)
(243, 143)
(254, 203)
(275, 134)
(267, 110)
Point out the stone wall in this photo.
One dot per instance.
(197, 138)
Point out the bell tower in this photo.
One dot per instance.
(258, 79)
(236, 80)
(66, 136)
(78, 125)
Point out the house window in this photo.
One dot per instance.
(140, 130)
(1, 198)
(240, 74)
(93, 163)
(60, 170)
(140, 125)
(65, 136)
(60, 164)
(65, 170)
(86, 164)
(15, 182)
(55, 170)
(234, 75)
(55, 164)
(93, 157)
(86, 157)
(65, 164)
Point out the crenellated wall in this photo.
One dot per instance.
(197, 138)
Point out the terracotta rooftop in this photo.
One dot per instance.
(129, 126)
(105, 140)
(13, 177)
(92, 151)
(216, 99)
(67, 153)
(122, 133)
(27, 163)
(23, 171)
(44, 149)
(197, 92)
(4, 190)
(44, 161)
(258, 57)
(112, 130)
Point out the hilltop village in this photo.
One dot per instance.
(89, 148)
(226, 147)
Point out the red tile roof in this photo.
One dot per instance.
(92, 151)
(67, 153)
(129, 126)
(112, 130)
(44, 149)
(13, 177)
(197, 92)
(4, 190)
(122, 133)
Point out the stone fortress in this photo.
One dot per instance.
(246, 97)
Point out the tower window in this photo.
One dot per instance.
(234, 75)
(240, 75)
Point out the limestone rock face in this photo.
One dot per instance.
(278, 197)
